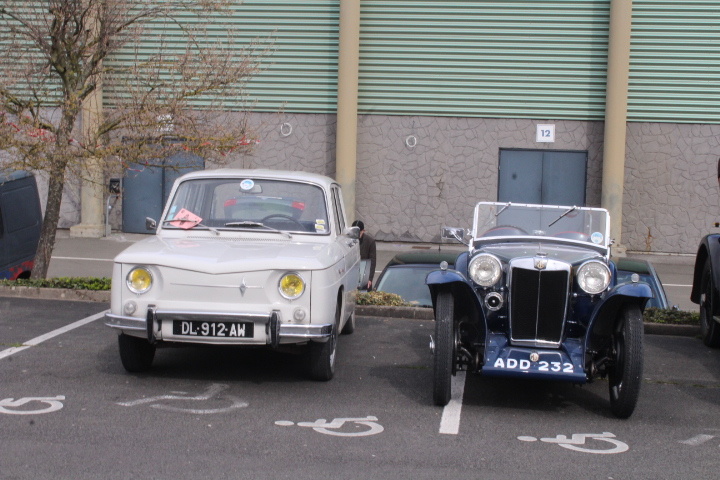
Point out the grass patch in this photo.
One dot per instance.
(73, 283)
(671, 317)
(381, 299)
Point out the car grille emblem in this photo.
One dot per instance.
(540, 263)
(244, 287)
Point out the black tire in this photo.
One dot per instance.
(136, 354)
(444, 351)
(625, 375)
(709, 328)
(322, 355)
(349, 325)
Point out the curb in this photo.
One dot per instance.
(411, 313)
(56, 294)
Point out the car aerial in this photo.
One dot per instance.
(627, 267)
(536, 296)
(405, 273)
(240, 257)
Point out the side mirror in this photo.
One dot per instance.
(453, 233)
(352, 232)
(150, 224)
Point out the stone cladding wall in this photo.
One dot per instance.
(416, 174)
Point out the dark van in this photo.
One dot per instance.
(20, 223)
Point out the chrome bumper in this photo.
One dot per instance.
(274, 328)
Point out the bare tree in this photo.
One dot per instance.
(56, 54)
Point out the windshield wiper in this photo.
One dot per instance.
(567, 212)
(503, 209)
(249, 224)
(195, 224)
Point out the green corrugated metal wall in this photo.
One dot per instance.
(675, 61)
(507, 58)
(301, 73)
(503, 58)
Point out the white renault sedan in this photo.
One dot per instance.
(240, 257)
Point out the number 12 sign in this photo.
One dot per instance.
(545, 133)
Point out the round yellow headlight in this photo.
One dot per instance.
(139, 280)
(291, 286)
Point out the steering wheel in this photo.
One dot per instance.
(504, 230)
(286, 218)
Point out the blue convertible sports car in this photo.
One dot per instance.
(536, 296)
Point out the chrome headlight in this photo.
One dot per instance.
(485, 270)
(139, 280)
(593, 277)
(291, 286)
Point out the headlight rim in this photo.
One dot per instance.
(581, 278)
(494, 279)
(283, 293)
(129, 283)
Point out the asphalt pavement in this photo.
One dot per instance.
(92, 257)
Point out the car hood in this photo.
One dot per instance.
(560, 252)
(218, 256)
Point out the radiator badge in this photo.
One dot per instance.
(541, 263)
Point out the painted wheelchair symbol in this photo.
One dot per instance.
(210, 394)
(10, 406)
(333, 427)
(577, 441)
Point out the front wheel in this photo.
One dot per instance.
(709, 328)
(625, 375)
(136, 354)
(322, 355)
(444, 349)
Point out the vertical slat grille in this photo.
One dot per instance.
(537, 308)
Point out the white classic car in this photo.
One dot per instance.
(240, 257)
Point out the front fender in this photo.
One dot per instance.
(603, 317)
(466, 302)
(709, 248)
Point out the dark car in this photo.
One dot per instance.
(20, 224)
(627, 267)
(405, 275)
(536, 296)
(706, 283)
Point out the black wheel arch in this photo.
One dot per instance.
(709, 249)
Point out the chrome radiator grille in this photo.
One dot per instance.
(538, 304)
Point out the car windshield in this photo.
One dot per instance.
(408, 282)
(248, 203)
(580, 224)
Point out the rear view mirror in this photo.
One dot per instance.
(453, 233)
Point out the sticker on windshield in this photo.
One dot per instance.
(247, 184)
(319, 227)
(597, 238)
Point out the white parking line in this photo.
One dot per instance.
(450, 421)
(49, 335)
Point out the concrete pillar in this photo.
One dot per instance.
(92, 215)
(347, 99)
(613, 179)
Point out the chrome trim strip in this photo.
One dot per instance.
(125, 323)
(212, 316)
(323, 331)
